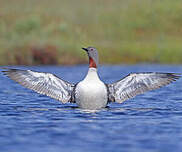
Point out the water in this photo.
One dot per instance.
(35, 123)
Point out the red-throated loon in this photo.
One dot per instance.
(91, 92)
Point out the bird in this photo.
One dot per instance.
(91, 93)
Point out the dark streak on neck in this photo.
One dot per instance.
(92, 63)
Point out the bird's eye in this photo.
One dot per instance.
(91, 49)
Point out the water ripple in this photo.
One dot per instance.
(31, 122)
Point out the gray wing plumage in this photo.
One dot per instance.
(138, 83)
(43, 83)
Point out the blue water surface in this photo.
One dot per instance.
(35, 123)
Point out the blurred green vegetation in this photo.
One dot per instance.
(124, 31)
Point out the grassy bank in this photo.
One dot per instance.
(123, 31)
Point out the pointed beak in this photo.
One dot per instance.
(85, 49)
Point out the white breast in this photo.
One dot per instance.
(91, 93)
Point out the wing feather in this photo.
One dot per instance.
(138, 83)
(43, 83)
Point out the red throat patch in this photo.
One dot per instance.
(92, 63)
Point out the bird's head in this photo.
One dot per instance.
(93, 56)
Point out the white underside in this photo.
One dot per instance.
(91, 93)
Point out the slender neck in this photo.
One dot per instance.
(92, 74)
(92, 63)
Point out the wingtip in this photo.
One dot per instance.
(173, 76)
(176, 75)
(8, 71)
(5, 70)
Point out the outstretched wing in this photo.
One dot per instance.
(138, 83)
(43, 83)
